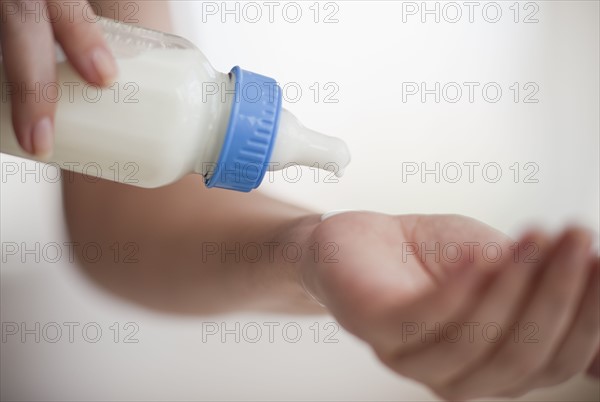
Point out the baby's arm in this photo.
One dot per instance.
(191, 249)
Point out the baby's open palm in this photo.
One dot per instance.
(457, 305)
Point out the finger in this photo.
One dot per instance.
(581, 343)
(549, 314)
(29, 64)
(463, 242)
(472, 338)
(81, 37)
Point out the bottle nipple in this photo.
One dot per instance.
(296, 144)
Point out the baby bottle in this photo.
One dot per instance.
(168, 114)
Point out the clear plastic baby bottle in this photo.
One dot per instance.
(169, 113)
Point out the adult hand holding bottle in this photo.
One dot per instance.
(28, 32)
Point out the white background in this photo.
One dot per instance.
(368, 54)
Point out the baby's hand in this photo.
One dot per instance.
(456, 305)
(28, 30)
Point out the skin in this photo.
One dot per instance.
(375, 273)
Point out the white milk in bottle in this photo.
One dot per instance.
(168, 114)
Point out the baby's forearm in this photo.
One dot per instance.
(184, 248)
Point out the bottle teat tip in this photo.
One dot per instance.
(300, 145)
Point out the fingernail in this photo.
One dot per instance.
(43, 138)
(105, 65)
